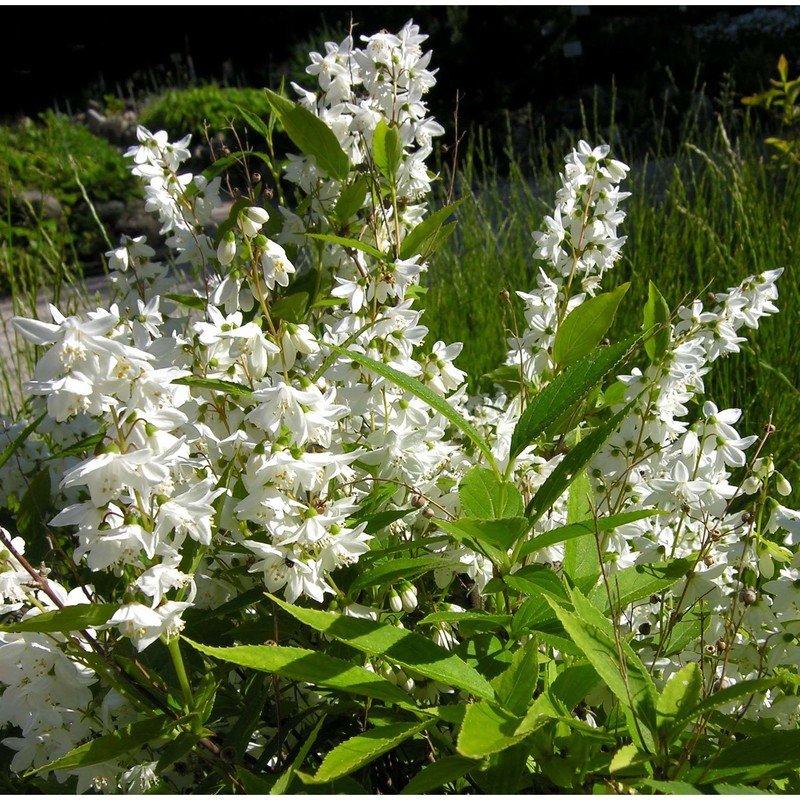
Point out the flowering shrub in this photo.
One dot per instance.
(288, 549)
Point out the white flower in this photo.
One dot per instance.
(251, 220)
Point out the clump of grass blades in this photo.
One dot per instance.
(699, 220)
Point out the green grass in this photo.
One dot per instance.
(700, 219)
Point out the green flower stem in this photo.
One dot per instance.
(180, 669)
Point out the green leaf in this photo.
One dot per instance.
(188, 300)
(536, 579)
(565, 390)
(32, 513)
(420, 390)
(594, 635)
(387, 149)
(20, 438)
(254, 784)
(458, 533)
(389, 571)
(573, 684)
(351, 244)
(756, 757)
(177, 749)
(258, 125)
(515, 686)
(351, 199)
(427, 232)
(291, 307)
(309, 666)
(484, 496)
(487, 729)
(499, 533)
(432, 776)
(745, 688)
(642, 580)
(581, 559)
(585, 326)
(311, 135)
(672, 787)
(571, 465)
(397, 645)
(118, 743)
(680, 694)
(584, 527)
(629, 755)
(64, 620)
(360, 750)
(215, 385)
(482, 619)
(377, 522)
(655, 324)
(282, 784)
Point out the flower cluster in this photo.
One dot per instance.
(265, 414)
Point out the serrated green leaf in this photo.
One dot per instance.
(573, 684)
(360, 750)
(388, 571)
(571, 465)
(680, 694)
(291, 307)
(745, 688)
(177, 749)
(631, 684)
(536, 579)
(352, 244)
(672, 787)
(642, 580)
(487, 729)
(282, 784)
(656, 324)
(387, 149)
(499, 533)
(64, 620)
(397, 645)
(120, 742)
(583, 528)
(377, 522)
(428, 229)
(188, 300)
(627, 756)
(483, 618)
(320, 669)
(585, 326)
(750, 759)
(258, 125)
(581, 558)
(484, 496)
(515, 686)
(432, 776)
(565, 390)
(418, 389)
(215, 385)
(351, 199)
(311, 135)
(254, 784)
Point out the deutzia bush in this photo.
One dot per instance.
(286, 548)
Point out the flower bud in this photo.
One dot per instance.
(782, 486)
(408, 595)
(226, 249)
(395, 601)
